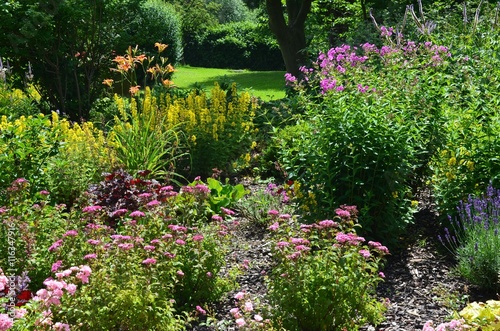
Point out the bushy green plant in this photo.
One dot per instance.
(148, 272)
(238, 45)
(223, 195)
(325, 275)
(26, 145)
(482, 315)
(475, 241)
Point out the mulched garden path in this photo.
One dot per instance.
(419, 283)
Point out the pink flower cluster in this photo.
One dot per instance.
(454, 325)
(349, 239)
(243, 315)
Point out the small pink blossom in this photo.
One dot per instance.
(364, 253)
(180, 273)
(44, 192)
(149, 248)
(55, 245)
(166, 188)
(90, 256)
(240, 322)
(180, 242)
(239, 295)
(155, 241)
(149, 261)
(258, 318)
(71, 288)
(92, 209)
(248, 306)
(273, 213)
(381, 274)
(125, 247)
(153, 203)
(209, 274)
(119, 212)
(198, 237)
(137, 213)
(234, 312)
(217, 218)
(328, 224)
(274, 226)
(93, 241)
(227, 211)
(201, 310)
(145, 195)
(55, 266)
(302, 248)
(342, 213)
(285, 216)
(5, 322)
(58, 326)
(71, 233)
(282, 244)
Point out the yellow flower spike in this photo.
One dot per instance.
(452, 161)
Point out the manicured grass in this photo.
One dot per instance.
(268, 85)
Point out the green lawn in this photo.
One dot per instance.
(268, 85)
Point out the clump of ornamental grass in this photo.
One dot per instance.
(326, 275)
(475, 241)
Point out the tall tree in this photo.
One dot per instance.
(290, 30)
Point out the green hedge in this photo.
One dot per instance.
(238, 45)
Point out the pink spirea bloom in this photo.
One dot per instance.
(44, 192)
(180, 273)
(93, 242)
(155, 241)
(248, 306)
(227, 211)
(258, 318)
(239, 295)
(145, 195)
(201, 188)
(198, 237)
(149, 261)
(90, 256)
(5, 322)
(149, 248)
(240, 322)
(20, 313)
(364, 253)
(285, 216)
(302, 248)
(201, 310)
(137, 213)
(166, 188)
(71, 288)
(153, 203)
(71, 233)
(328, 224)
(234, 311)
(119, 212)
(209, 274)
(55, 266)
(273, 212)
(381, 274)
(217, 218)
(166, 236)
(55, 245)
(299, 241)
(274, 226)
(177, 228)
(342, 213)
(84, 274)
(58, 326)
(180, 242)
(125, 247)
(92, 209)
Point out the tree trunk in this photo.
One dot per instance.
(290, 32)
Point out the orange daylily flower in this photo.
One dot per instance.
(134, 89)
(167, 83)
(161, 47)
(108, 82)
(141, 58)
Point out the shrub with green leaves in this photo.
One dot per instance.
(326, 275)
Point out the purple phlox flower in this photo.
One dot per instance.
(340, 69)
(137, 213)
(92, 209)
(363, 89)
(149, 261)
(386, 32)
(290, 79)
(339, 88)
